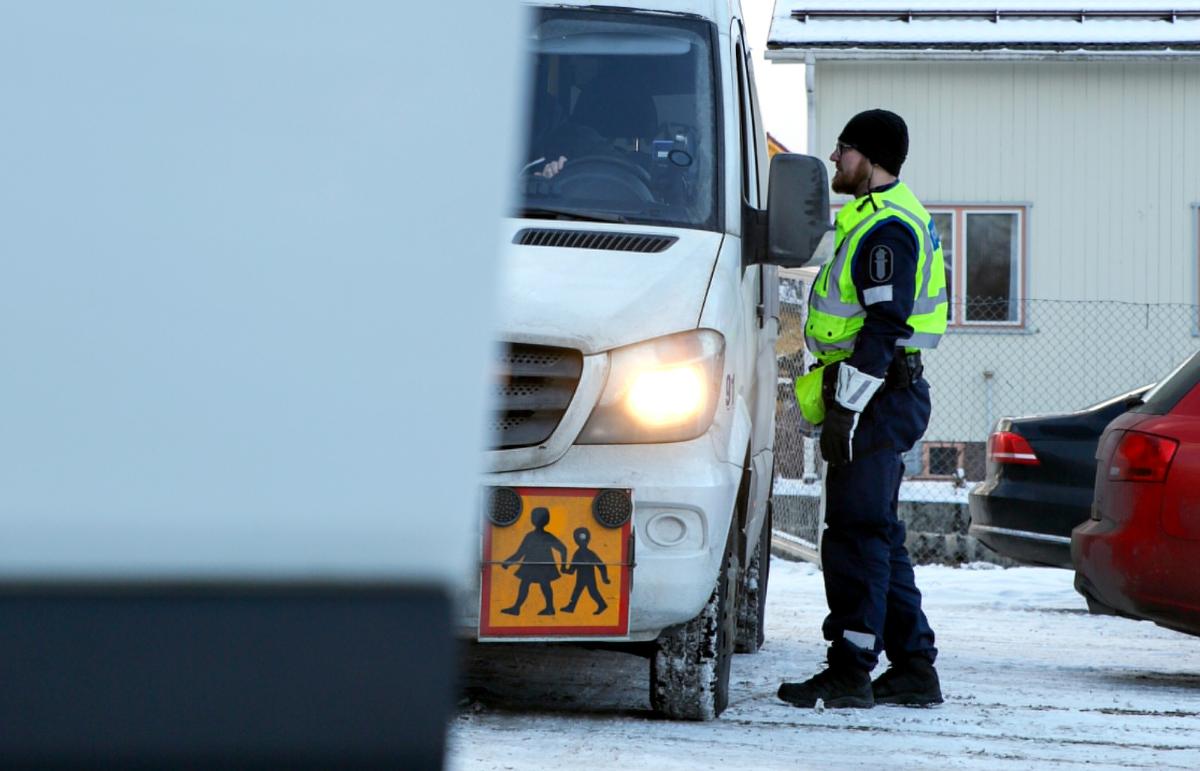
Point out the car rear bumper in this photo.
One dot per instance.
(1128, 572)
(1024, 546)
(1023, 527)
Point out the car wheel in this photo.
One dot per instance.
(689, 671)
(752, 599)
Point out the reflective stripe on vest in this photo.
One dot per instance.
(835, 317)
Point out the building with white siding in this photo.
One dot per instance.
(1057, 145)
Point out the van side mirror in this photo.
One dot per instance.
(797, 209)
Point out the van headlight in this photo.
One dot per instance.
(662, 390)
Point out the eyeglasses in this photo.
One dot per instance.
(842, 147)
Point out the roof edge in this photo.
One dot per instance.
(851, 51)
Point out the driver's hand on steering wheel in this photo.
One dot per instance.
(552, 168)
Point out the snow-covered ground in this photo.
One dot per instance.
(1031, 682)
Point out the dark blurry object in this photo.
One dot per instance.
(187, 676)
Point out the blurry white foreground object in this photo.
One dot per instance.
(241, 400)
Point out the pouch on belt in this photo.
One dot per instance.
(810, 400)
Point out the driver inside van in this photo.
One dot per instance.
(612, 117)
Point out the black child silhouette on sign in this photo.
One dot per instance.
(536, 555)
(583, 565)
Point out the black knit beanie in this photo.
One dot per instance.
(881, 136)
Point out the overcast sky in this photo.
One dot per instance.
(780, 85)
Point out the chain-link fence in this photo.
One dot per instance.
(999, 358)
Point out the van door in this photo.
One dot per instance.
(761, 299)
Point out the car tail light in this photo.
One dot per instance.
(1141, 458)
(1007, 447)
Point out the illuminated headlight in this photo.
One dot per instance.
(664, 397)
(663, 390)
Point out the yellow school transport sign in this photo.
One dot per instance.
(557, 566)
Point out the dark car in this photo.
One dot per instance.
(1040, 476)
(1138, 554)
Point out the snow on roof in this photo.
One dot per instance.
(983, 29)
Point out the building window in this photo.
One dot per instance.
(942, 459)
(984, 250)
(957, 461)
(992, 262)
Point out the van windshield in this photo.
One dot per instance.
(622, 122)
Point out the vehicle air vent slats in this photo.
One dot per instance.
(536, 396)
(537, 361)
(590, 239)
(534, 387)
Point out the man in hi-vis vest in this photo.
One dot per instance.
(873, 308)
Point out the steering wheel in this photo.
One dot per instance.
(603, 176)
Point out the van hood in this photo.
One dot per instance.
(598, 299)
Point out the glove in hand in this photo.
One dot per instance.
(837, 434)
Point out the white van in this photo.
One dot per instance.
(627, 497)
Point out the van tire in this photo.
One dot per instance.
(752, 599)
(689, 670)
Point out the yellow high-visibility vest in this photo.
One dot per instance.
(834, 313)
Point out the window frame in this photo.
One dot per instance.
(748, 124)
(958, 212)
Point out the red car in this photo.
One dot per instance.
(1139, 554)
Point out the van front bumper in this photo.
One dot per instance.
(683, 501)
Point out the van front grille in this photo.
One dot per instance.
(589, 239)
(534, 385)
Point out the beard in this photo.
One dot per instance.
(848, 180)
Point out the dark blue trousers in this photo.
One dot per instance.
(874, 604)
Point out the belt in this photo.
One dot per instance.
(905, 369)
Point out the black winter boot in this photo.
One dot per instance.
(836, 687)
(912, 683)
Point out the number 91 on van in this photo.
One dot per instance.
(556, 563)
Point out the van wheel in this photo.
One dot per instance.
(752, 599)
(689, 671)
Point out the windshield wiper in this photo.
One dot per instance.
(543, 213)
